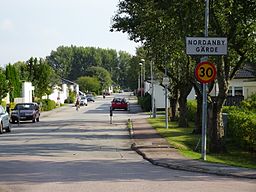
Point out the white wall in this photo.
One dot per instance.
(59, 94)
(27, 92)
(159, 94)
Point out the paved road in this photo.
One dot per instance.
(81, 151)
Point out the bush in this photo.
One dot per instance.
(242, 128)
(69, 100)
(192, 108)
(249, 104)
(145, 102)
(47, 104)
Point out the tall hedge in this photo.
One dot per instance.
(242, 128)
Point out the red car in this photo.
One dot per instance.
(119, 103)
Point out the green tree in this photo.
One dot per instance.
(3, 85)
(121, 74)
(102, 74)
(44, 78)
(162, 27)
(235, 20)
(73, 62)
(153, 24)
(22, 70)
(12, 75)
(88, 84)
(61, 60)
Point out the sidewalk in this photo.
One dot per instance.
(148, 143)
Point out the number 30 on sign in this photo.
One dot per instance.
(205, 72)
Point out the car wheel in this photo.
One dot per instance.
(8, 129)
(125, 109)
(37, 119)
(13, 121)
(1, 128)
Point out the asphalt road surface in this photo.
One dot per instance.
(71, 150)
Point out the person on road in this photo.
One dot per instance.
(77, 104)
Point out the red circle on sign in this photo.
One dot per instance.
(205, 72)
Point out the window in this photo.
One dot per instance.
(238, 91)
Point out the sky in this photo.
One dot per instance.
(34, 28)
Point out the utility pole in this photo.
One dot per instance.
(204, 107)
(152, 89)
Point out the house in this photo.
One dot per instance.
(61, 93)
(243, 84)
(159, 93)
(27, 93)
(241, 87)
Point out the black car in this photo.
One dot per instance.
(25, 112)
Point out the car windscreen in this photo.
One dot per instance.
(24, 107)
(117, 100)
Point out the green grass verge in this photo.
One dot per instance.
(186, 142)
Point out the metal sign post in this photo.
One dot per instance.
(166, 84)
(204, 107)
(205, 71)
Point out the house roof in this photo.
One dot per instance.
(246, 72)
(68, 81)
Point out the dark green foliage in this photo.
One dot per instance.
(102, 76)
(242, 128)
(73, 62)
(192, 107)
(42, 76)
(71, 98)
(242, 123)
(89, 84)
(145, 102)
(249, 104)
(3, 86)
(12, 75)
(47, 104)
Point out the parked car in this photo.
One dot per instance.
(4, 120)
(90, 98)
(83, 101)
(119, 103)
(25, 111)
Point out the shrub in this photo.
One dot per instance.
(47, 104)
(249, 103)
(145, 102)
(69, 100)
(192, 108)
(242, 128)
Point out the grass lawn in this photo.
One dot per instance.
(186, 142)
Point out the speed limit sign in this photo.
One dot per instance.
(205, 72)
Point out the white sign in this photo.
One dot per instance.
(206, 45)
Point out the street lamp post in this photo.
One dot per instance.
(166, 84)
(152, 89)
(141, 80)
